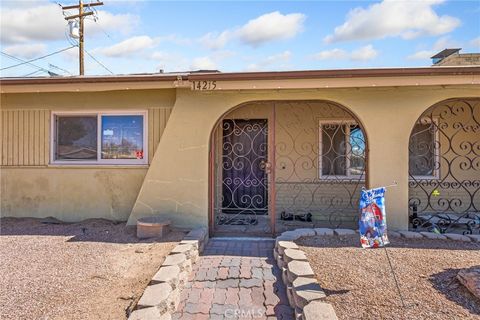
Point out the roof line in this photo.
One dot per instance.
(341, 73)
(266, 75)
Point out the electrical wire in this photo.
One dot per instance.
(18, 59)
(32, 73)
(58, 68)
(74, 42)
(29, 61)
(101, 64)
(34, 65)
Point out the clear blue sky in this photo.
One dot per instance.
(145, 36)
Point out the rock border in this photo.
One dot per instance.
(162, 295)
(304, 293)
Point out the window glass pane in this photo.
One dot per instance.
(333, 149)
(76, 138)
(357, 150)
(422, 150)
(122, 137)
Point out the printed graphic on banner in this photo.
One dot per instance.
(373, 223)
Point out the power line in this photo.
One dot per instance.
(32, 73)
(34, 65)
(58, 68)
(75, 42)
(42, 57)
(101, 64)
(18, 59)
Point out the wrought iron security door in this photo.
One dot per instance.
(293, 164)
(244, 178)
(444, 168)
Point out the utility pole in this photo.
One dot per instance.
(81, 16)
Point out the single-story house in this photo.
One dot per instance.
(254, 152)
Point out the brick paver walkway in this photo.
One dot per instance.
(235, 279)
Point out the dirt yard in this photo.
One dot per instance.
(90, 270)
(360, 285)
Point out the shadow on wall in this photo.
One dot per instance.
(91, 230)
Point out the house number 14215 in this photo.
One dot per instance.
(204, 85)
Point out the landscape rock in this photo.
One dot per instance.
(168, 274)
(156, 295)
(457, 237)
(344, 232)
(199, 234)
(188, 250)
(470, 278)
(282, 245)
(151, 313)
(323, 231)
(305, 232)
(317, 310)
(194, 243)
(474, 237)
(433, 235)
(393, 234)
(292, 235)
(291, 301)
(179, 260)
(411, 234)
(297, 269)
(294, 254)
(306, 290)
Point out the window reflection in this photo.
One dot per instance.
(76, 138)
(122, 137)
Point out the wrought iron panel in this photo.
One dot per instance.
(320, 165)
(444, 168)
(244, 185)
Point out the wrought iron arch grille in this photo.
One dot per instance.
(290, 164)
(444, 168)
(320, 165)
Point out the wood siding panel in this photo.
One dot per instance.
(25, 137)
(157, 121)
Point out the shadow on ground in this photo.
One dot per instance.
(446, 283)
(353, 241)
(91, 230)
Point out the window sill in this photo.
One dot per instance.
(98, 166)
(416, 178)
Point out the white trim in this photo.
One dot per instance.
(99, 161)
(348, 176)
(436, 151)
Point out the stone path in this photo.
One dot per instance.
(235, 279)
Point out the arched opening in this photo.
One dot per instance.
(444, 167)
(279, 165)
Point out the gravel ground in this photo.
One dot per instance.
(95, 269)
(360, 285)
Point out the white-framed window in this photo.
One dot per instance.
(99, 137)
(341, 149)
(424, 150)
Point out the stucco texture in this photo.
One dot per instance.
(32, 187)
(176, 184)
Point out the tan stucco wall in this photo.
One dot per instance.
(32, 187)
(71, 194)
(176, 184)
